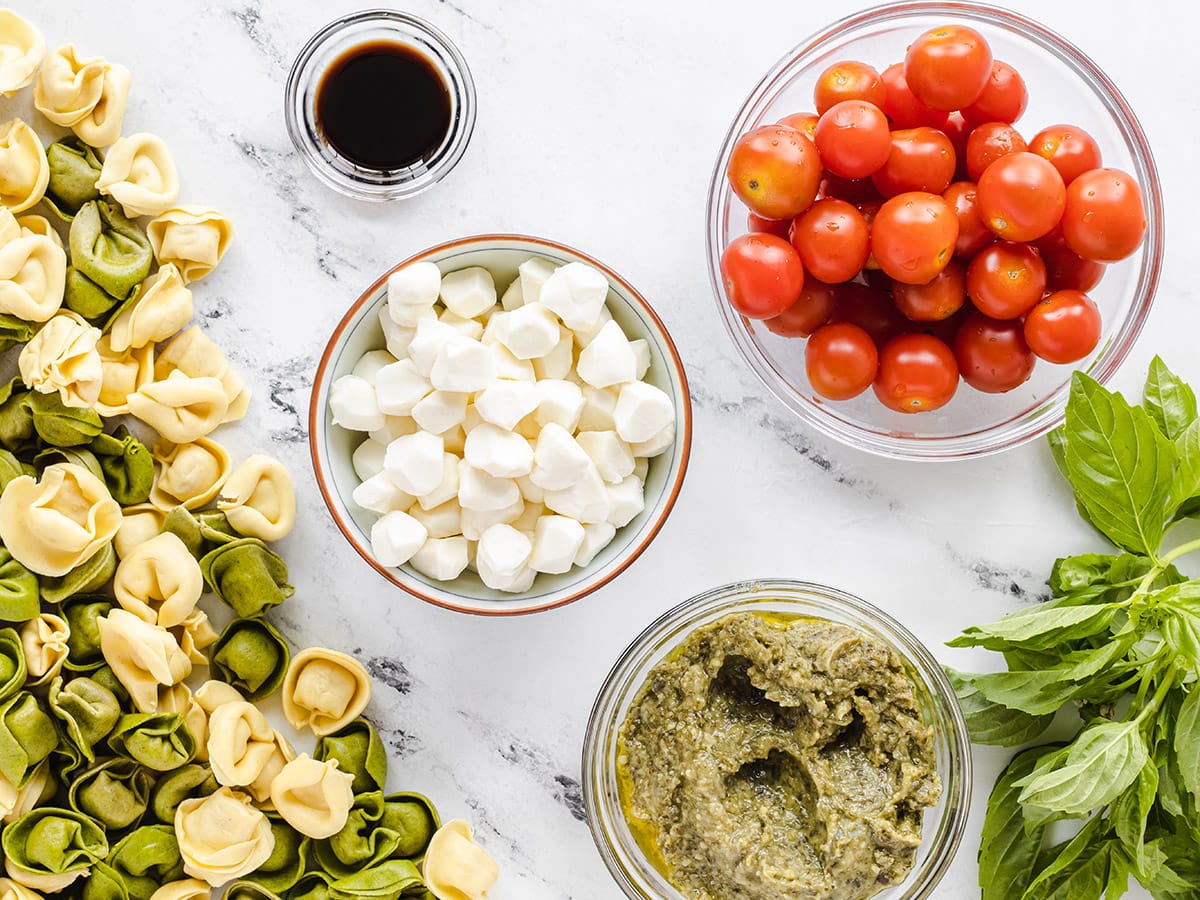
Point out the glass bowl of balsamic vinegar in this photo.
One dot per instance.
(380, 105)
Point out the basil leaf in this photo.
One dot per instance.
(1120, 465)
(1102, 761)
(1070, 869)
(1168, 399)
(1008, 850)
(1179, 871)
(1043, 692)
(992, 723)
(1119, 869)
(1129, 814)
(1058, 450)
(1039, 627)
(1187, 473)
(1187, 742)
(1074, 573)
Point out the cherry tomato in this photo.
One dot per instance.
(1006, 279)
(870, 308)
(841, 361)
(1063, 328)
(935, 300)
(973, 235)
(810, 311)
(992, 354)
(832, 239)
(948, 67)
(1003, 99)
(913, 236)
(763, 275)
(1021, 197)
(1066, 269)
(921, 159)
(1104, 218)
(1071, 150)
(850, 80)
(853, 138)
(852, 190)
(902, 106)
(778, 227)
(775, 171)
(988, 142)
(804, 122)
(917, 373)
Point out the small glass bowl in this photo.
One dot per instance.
(1064, 86)
(944, 823)
(325, 47)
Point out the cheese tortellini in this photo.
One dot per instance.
(222, 836)
(24, 169)
(144, 657)
(163, 307)
(21, 50)
(63, 357)
(193, 353)
(325, 690)
(194, 238)
(258, 499)
(313, 797)
(194, 634)
(101, 126)
(159, 581)
(455, 867)
(240, 743)
(140, 174)
(181, 408)
(33, 277)
(189, 475)
(52, 525)
(122, 373)
(44, 641)
(68, 86)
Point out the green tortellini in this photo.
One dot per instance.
(104, 883)
(184, 783)
(115, 793)
(387, 881)
(106, 676)
(91, 575)
(158, 741)
(50, 842)
(87, 709)
(27, 736)
(79, 457)
(19, 601)
(358, 750)
(12, 662)
(146, 858)
(378, 828)
(16, 416)
(57, 424)
(247, 575)
(127, 467)
(14, 331)
(74, 170)
(314, 885)
(252, 656)
(110, 256)
(83, 643)
(201, 532)
(412, 816)
(286, 863)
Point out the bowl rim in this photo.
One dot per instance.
(1018, 428)
(683, 435)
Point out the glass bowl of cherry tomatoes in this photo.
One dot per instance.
(924, 219)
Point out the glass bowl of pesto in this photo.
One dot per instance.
(788, 740)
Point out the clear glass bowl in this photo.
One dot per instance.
(944, 824)
(1064, 86)
(323, 49)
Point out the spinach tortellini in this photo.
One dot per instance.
(19, 600)
(48, 849)
(146, 858)
(286, 864)
(74, 169)
(12, 663)
(158, 741)
(27, 736)
(247, 575)
(127, 465)
(378, 828)
(61, 425)
(357, 749)
(252, 656)
(189, 782)
(116, 793)
(88, 710)
(110, 257)
(90, 575)
(82, 613)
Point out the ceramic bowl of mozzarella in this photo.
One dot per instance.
(500, 424)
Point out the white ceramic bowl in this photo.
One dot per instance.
(331, 446)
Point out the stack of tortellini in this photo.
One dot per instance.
(118, 780)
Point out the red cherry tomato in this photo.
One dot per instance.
(853, 138)
(948, 67)
(849, 80)
(870, 308)
(921, 159)
(775, 171)
(832, 240)
(1063, 328)
(936, 300)
(1069, 149)
(841, 361)
(1066, 269)
(1021, 197)
(1003, 99)
(913, 236)
(810, 311)
(1006, 279)
(777, 227)
(988, 142)
(902, 106)
(763, 275)
(973, 235)
(804, 122)
(852, 190)
(992, 355)
(1104, 218)
(917, 373)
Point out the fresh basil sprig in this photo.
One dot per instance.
(1118, 643)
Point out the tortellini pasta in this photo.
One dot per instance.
(258, 499)
(115, 792)
(121, 373)
(61, 425)
(110, 257)
(87, 709)
(213, 693)
(21, 50)
(127, 465)
(90, 575)
(52, 525)
(194, 634)
(33, 277)
(185, 889)
(44, 641)
(12, 663)
(194, 354)
(138, 524)
(283, 867)
(68, 86)
(222, 836)
(260, 787)
(158, 741)
(140, 174)
(24, 169)
(48, 849)
(162, 308)
(102, 125)
(144, 657)
(185, 783)
(74, 169)
(63, 357)
(159, 581)
(189, 475)
(180, 699)
(313, 797)
(252, 656)
(359, 751)
(247, 575)
(455, 867)
(37, 226)
(19, 600)
(325, 690)
(240, 743)
(181, 408)
(194, 238)
(83, 637)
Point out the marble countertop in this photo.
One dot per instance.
(598, 125)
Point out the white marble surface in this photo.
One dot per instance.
(598, 124)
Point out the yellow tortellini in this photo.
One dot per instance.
(189, 475)
(282, 753)
(240, 743)
(258, 499)
(102, 124)
(193, 238)
(313, 797)
(24, 169)
(33, 277)
(193, 353)
(194, 634)
(37, 226)
(44, 640)
(222, 836)
(122, 373)
(324, 690)
(63, 357)
(181, 408)
(52, 525)
(144, 657)
(214, 693)
(68, 86)
(186, 889)
(162, 308)
(455, 867)
(159, 581)
(140, 174)
(21, 50)
(138, 524)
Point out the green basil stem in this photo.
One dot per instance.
(1160, 694)
(1181, 550)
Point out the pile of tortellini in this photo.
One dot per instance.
(118, 780)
